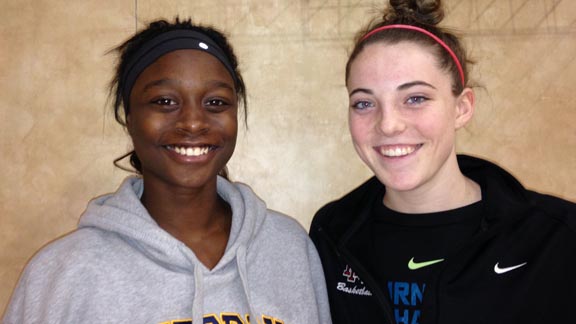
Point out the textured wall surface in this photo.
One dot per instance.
(58, 137)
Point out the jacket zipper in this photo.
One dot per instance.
(366, 277)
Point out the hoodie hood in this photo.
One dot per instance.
(123, 213)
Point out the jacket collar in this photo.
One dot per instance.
(504, 199)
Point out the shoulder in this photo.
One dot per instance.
(352, 199)
(558, 209)
(281, 225)
(246, 202)
(59, 269)
(507, 198)
(336, 214)
(281, 240)
(80, 249)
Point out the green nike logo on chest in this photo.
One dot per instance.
(413, 265)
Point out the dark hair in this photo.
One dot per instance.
(425, 14)
(131, 46)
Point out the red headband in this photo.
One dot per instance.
(423, 31)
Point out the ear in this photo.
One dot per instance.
(465, 104)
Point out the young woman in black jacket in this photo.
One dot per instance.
(435, 237)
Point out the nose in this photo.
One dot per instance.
(192, 118)
(391, 121)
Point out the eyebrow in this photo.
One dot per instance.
(415, 83)
(221, 84)
(363, 90)
(400, 87)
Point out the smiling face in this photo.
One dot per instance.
(403, 116)
(183, 119)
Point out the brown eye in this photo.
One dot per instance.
(164, 102)
(217, 105)
(216, 102)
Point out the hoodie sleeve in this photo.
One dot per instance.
(319, 284)
(30, 297)
(15, 309)
(55, 285)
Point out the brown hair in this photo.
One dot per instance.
(425, 14)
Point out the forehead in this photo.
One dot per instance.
(187, 63)
(404, 61)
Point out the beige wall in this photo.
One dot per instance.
(58, 138)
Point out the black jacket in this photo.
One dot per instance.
(518, 226)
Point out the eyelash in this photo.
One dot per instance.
(164, 102)
(365, 105)
(213, 102)
(416, 100)
(216, 102)
(412, 101)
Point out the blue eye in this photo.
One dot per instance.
(416, 100)
(361, 105)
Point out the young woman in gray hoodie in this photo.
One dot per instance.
(179, 243)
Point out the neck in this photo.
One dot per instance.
(187, 214)
(449, 189)
(197, 217)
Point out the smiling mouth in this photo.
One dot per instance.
(191, 151)
(398, 151)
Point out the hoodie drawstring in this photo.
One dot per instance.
(242, 270)
(198, 303)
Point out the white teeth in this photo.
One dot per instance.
(190, 151)
(398, 151)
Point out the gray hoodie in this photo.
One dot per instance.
(119, 266)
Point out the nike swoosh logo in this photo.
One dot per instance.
(499, 270)
(412, 265)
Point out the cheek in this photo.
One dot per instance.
(434, 120)
(233, 125)
(144, 128)
(228, 124)
(359, 129)
(439, 128)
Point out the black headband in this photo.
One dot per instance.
(163, 44)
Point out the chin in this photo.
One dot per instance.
(399, 184)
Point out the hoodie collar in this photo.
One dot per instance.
(123, 213)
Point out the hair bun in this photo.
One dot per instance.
(426, 12)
